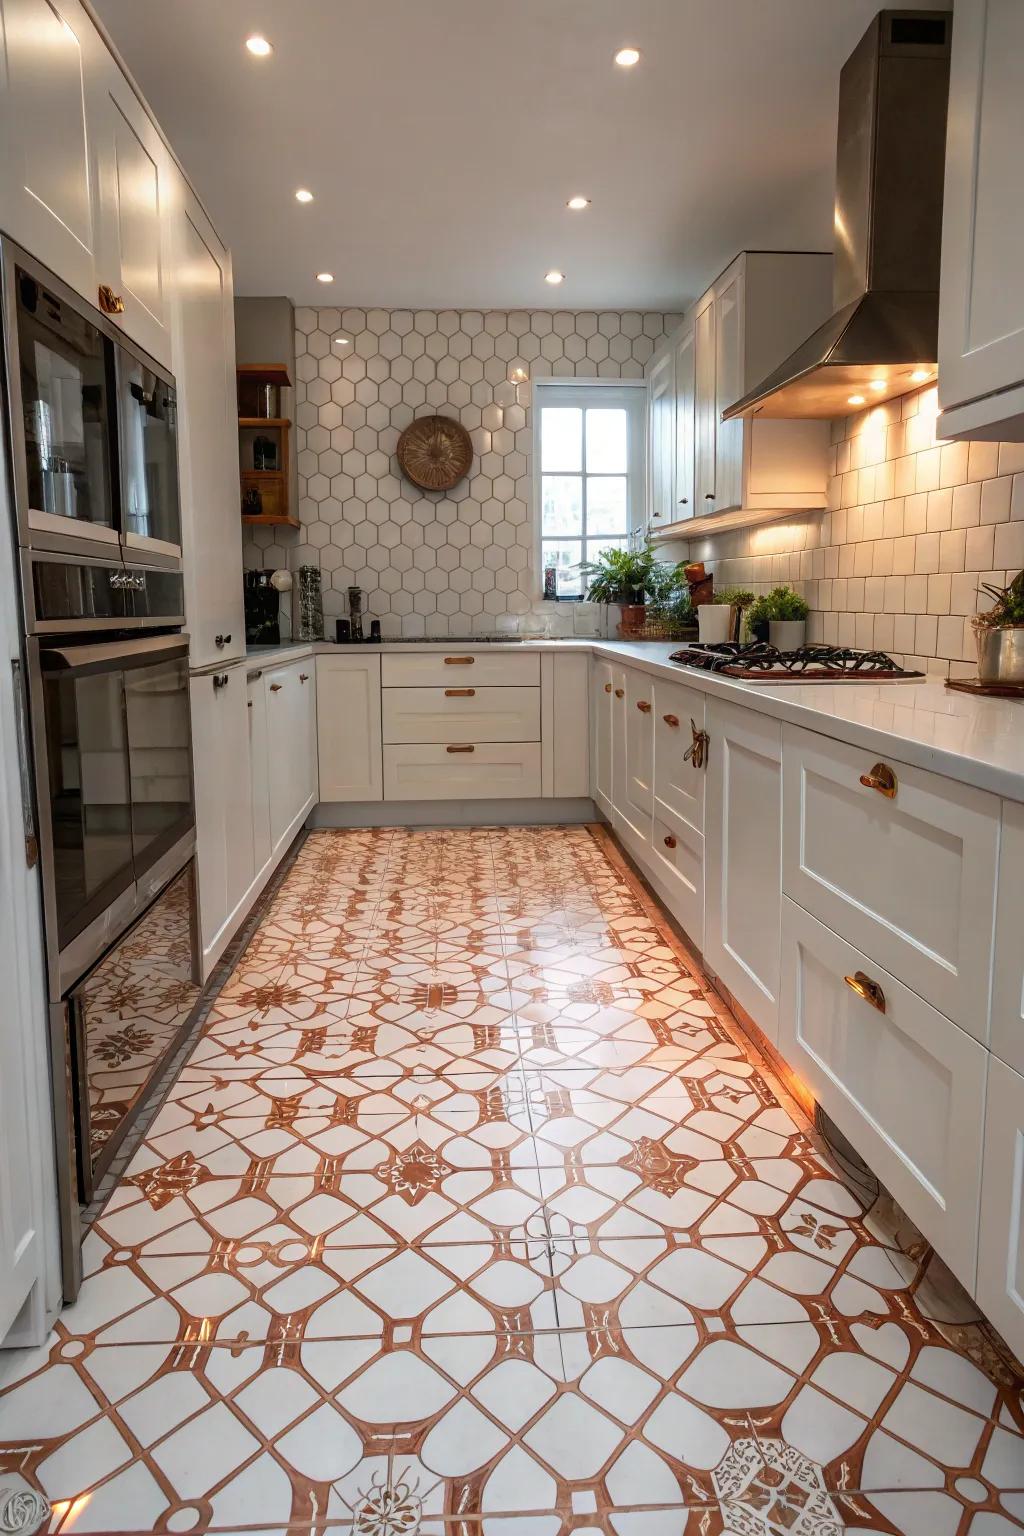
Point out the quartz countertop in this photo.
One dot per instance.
(975, 740)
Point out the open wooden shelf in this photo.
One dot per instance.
(264, 421)
(272, 485)
(271, 520)
(264, 373)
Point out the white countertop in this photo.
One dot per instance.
(978, 741)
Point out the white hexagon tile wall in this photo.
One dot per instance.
(429, 563)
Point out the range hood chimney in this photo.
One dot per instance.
(882, 339)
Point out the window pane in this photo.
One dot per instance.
(607, 450)
(606, 504)
(561, 440)
(563, 505)
(596, 546)
(565, 557)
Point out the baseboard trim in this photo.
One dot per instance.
(453, 813)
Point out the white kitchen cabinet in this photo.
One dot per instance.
(662, 428)
(223, 789)
(900, 861)
(463, 771)
(1007, 1029)
(905, 1084)
(460, 714)
(51, 206)
(461, 668)
(292, 748)
(729, 348)
(679, 768)
(743, 857)
(204, 366)
(705, 416)
(1000, 1284)
(136, 200)
(634, 791)
(259, 775)
(349, 727)
(676, 869)
(602, 712)
(565, 724)
(684, 343)
(981, 300)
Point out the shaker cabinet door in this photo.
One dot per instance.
(349, 728)
(661, 387)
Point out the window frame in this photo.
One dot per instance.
(593, 394)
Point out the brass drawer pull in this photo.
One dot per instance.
(276, 687)
(643, 706)
(460, 749)
(303, 677)
(459, 661)
(867, 989)
(460, 693)
(672, 720)
(669, 841)
(111, 303)
(607, 687)
(620, 693)
(881, 778)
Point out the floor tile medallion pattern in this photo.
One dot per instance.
(470, 1212)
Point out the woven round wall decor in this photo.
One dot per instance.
(435, 452)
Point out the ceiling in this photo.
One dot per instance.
(442, 139)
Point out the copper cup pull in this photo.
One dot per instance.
(672, 720)
(111, 303)
(460, 749)
(643, 706)
(881, 778)
(866, 989)
(607, 687)
(620, 693)
(459, 661)
(276, 687)
(669, 841)
(460, 693)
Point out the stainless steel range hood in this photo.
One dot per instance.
(882, 339)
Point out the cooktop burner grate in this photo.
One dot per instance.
(760, 662)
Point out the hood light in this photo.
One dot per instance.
(855, 400)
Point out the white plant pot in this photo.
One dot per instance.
(715, 623)
(787, 634)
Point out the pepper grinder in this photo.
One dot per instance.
(355, 608)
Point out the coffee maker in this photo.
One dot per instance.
(262, 609)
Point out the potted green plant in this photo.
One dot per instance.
(780, 617)
(669, 614)
(622, 576)
(999, 633)
(719, 620)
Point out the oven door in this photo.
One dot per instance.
(114, 785)
(60, 399)
(147, 413)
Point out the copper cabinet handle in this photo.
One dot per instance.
(620, 693)
(697, 752)
(111, 303)
(459, 661)
(303, 677)
(669, 841)
(276, 687)
(643, 706)
(460, 693)
(460, 749)
(672, 720)
(607, 687)
(866, 989)
(881, 778)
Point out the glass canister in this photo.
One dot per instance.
(311, 605)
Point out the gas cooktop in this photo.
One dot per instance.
(758, 662)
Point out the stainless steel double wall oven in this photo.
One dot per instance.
(92, 448)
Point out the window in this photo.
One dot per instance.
(590, 475)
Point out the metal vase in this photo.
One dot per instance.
(1000, 653)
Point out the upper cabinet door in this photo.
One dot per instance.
(133, 168)
(706, 415)
(686, 424)
(981, 315)
(53, 53)
(729, 435)
(661, 384)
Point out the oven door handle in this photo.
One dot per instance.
(28, 810)
(116, 655)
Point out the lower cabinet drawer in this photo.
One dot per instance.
(1000, 1289)
(459, 713)
(479, 771)
(905, 1084)
(677, 860)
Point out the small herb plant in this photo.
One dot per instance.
(779, 603)
(1008, 609)
(620, 575)
(734, 597)
(669, 594)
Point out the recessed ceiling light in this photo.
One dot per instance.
(879, 384)
(855, 400)
(554, 278)
(303, 195)
(627, 57)
(325, 277)
(258, 45)
(576, 203)
(919, 375)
